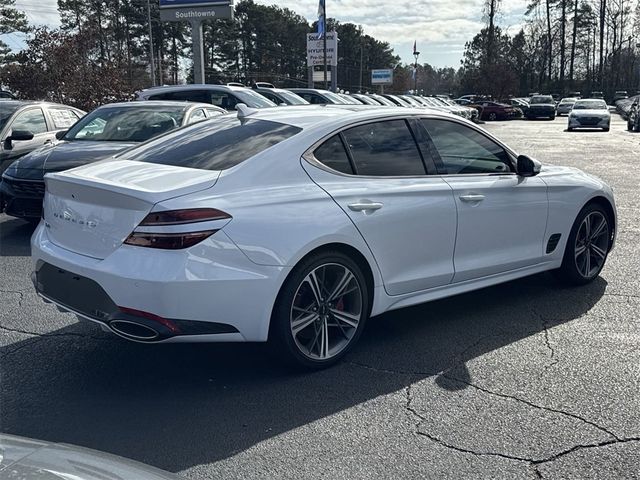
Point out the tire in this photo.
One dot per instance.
(492, 116)
(606, 129)
(552, 117)
(304, 304)
(577, 268)
(630, 126)
(569, 129)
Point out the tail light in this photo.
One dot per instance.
(170, 240)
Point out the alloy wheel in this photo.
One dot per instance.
(326, 311)
(592, 242)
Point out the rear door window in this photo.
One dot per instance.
(332, 154)
(217, 145)
(384, 149)
(62, 118)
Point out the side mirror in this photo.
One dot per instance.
(20, 136)
(61, 134)
(528, 167)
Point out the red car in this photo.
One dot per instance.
(496, 111)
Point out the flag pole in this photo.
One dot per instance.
(324, 41)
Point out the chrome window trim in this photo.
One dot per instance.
(309, 154)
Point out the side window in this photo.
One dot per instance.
(464, 150)
(384, 149)
(197, 116)
(271, 97)
(62, 118)
(31, 120)
(223, 100)
(332, 154)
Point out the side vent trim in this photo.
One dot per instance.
(553, 242)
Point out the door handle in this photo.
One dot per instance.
(365, 206)
(471, 198)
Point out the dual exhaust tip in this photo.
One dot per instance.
(135, 331)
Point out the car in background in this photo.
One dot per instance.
(496, 111)
(565, 106)
(577, 95)
(590, 113)
(633, 117)
(318, 96)
(620, 95)
(280, 96)
(264, 85)
(350, 100)
(29, 459)
(101, 133)
(26, 126)
(4, 95)
(471, 113)
(597, 94)
(319, 216)
(381, 100)
(520, 103)
(397, 100)
(366, 99)
(223, 96)
(542, 106)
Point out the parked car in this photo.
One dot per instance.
(25, 126)
(496, 111)
(318, 96)
(350, 100)
(30, 459)
(223, 96)
(620, 95)
(577, 95)
(281, 96)
(590, 113)
(542, 106)
(565, 106)
(366, 99)
(466, 112)
(264, 85)
(381, 100)
(633, 118)
(319, 215)
(597, 94)
(4, 95)
(103, 132)
(519, 103)
(396, 100)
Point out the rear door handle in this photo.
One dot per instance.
(471, 198)
(364, 206)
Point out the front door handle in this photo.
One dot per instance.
(365, 206)
(471, 198)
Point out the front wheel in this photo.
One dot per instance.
(630, 126)
(493, 116)
(320, 311)
(587, 246)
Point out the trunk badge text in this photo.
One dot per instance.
(68, 216)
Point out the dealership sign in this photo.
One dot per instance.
(383, 76)
(194, 10)
(315, 49)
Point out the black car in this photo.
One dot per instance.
(25, 126)
(102, 133)
(633, 117)
(318, 96)
(541, 106)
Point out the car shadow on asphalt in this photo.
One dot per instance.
(176, 406)
(15, 235)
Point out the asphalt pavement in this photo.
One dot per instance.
(528, 379)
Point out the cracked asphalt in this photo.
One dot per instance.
(529, 379)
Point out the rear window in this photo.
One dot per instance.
(217, 145)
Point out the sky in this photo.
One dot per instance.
(440, 27)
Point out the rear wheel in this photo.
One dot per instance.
(587, 246)
(320, 311)
(492, 116)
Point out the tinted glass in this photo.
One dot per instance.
(252, 99)
(126, 124)
(6, 112)
(270, 96)
(384, 149)
(542, 99)
(332, 154)
(590, 105)
(464, 150)
(32, 121)
(184, 96)
(217, 145)
(292, 99)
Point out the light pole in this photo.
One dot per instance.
(153, 67)
(416, 54)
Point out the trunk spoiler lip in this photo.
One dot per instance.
(200, 180)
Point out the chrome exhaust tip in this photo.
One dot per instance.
(134, 330)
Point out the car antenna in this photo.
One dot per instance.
(244, 111)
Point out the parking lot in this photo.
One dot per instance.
(527, 379)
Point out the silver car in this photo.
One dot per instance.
(565, 106)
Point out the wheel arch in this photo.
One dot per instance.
(605, 203)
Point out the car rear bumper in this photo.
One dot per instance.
(21, 198)
(211, 292)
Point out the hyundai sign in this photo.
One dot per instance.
(382, 76)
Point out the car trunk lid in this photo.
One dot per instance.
(91, 210)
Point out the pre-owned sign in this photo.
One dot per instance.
(315, 49)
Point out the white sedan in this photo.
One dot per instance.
(590, 113)
(296, 225)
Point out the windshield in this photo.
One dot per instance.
(335, 98)
(126, 124)
(291, 98)
(253, 99)
(6, 112)
(217, 145)
(590, 105)
(541, 99)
